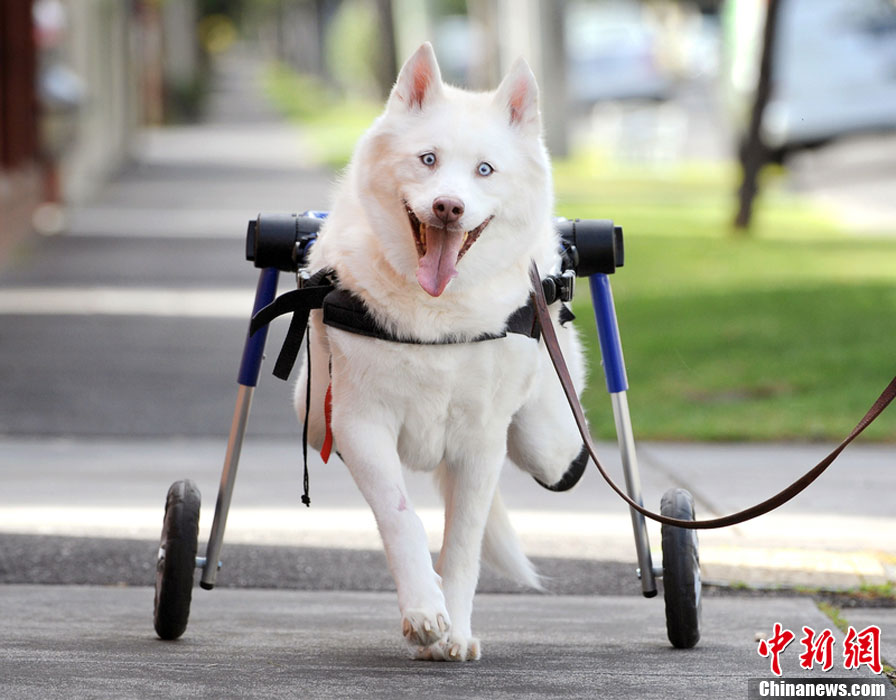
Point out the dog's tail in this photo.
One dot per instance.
(502, 551)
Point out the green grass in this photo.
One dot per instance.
(331, 123)
(878, 590)
(834, 615)
(789, 333)
(786, 334)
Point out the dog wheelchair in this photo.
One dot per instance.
(590, 248)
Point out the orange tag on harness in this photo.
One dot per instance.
(327, 447)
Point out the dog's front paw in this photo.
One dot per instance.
(421, 628)
(451, 648)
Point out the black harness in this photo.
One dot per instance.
(346, 311)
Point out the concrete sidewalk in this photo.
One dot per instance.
(839, 534)
(288, 644)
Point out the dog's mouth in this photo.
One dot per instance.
(439, 250)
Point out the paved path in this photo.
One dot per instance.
(833, 535)
(287, 644)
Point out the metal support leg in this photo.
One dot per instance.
(617, 386)
(225, 489)
(253, 352)
(633, 488)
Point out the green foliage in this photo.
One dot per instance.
(332, 124)
(448, 7)
(353, 42)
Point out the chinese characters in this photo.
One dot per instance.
(859, 648)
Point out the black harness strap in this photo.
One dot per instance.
(306, 495)
(346, 311)
(299, 302)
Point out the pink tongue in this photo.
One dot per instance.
(437, 267)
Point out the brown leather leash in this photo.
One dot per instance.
(779, 499)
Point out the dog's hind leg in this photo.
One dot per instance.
(543, 438)
(371, 457)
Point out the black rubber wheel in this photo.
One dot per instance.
(681, 571)
(177, 560)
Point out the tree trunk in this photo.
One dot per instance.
(387, 64)
(753, 153)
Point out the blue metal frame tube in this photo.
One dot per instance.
(608, 333)
(253, 351)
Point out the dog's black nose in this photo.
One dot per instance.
(448, 209)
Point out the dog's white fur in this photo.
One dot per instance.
(458, 410)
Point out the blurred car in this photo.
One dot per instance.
(833, 70)
(612, 53)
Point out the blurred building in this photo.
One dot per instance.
(78, 79)
(20, 182)
(101, 43)
(134, 60)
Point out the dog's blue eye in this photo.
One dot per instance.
(428, 159)
(485, 169)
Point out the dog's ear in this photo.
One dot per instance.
(419, 80)
(517, 95)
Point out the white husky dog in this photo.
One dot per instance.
(446, 202)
